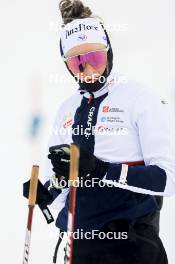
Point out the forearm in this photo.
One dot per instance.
(148, 179)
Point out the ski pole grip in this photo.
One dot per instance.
(74, 164)
(33, 185)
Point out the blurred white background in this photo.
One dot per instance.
(143, 39)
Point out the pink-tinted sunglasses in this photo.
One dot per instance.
(95, 58)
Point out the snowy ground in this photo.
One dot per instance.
(143, 40)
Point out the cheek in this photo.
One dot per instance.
(89, 74)
(94, 71)
(102, 69)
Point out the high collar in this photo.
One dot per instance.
(112, 81)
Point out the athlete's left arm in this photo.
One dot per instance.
(156, 133)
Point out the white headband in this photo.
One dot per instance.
(81, 31)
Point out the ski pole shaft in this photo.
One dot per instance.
(31, 205)
(73, 176)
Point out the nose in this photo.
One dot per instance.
(90, 74)
(89, 70)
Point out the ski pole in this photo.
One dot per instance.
(73, 176)
(31, 205)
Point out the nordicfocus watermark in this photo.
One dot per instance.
(96, 234)
(110, 27)
(80, 130)
(81, 182)
(90, 78)
(55, 78)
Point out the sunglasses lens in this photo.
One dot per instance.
(95, 59)
(75, 64)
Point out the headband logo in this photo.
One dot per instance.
(80, 28)
(82, 37)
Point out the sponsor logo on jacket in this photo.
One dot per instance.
(104, 130)
(111, 119)
(107, 109)
(68, 120)
(88, 130)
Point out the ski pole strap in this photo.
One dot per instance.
(57, 246)
(46, 212)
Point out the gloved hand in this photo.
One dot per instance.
(60, 159)
(44, 197)
(89, 165)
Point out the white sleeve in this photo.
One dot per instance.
(156, 130)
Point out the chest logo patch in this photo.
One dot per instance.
(107, 109)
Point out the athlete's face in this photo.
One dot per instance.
(88, 67)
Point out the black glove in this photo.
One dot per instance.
(43, 195)
(60, 159)
(89, 165)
